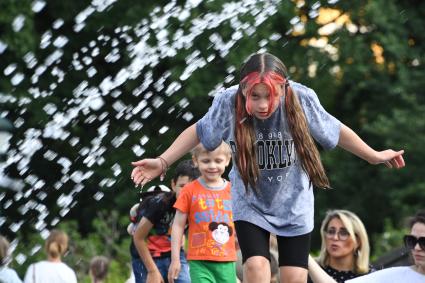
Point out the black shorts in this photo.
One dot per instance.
(255, 241)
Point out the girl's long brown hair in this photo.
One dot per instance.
(246, 160)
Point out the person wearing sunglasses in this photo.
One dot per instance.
(344, 253)
(414, 241)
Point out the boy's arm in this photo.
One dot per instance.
(139, 238)
(351, 142)
(317, 274)
(147, 169)
(177, 232)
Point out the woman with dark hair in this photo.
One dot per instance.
(415, 242)
(270, 123)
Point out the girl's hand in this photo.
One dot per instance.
(174, 270)
(154, 277)
(145, 170)
(391, 158)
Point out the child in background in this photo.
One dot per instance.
(99, 266)
(151, 246)
(206, 204)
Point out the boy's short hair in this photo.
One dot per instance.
(223, 147)
(186, 168)
(99, 266)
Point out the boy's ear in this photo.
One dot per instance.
(173, 184)
(195, 163)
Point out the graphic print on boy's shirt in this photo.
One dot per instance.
(211, 228)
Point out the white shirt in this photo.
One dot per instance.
(9, 275)
(391, 275)
(50, 272)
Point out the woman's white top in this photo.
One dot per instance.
(50, 272)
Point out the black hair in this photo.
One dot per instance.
(186, 168)
(418, 218)
(167, 194)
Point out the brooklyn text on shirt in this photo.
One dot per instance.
(273, 154)
(278, 178)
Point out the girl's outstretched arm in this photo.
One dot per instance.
(177, 232)
(317, 274)
(351, 142)
(149, 168)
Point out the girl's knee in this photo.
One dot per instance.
(256, 270)
(258, 264)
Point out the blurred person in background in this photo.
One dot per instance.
(7, 275)
(99, 266)
(52, 270)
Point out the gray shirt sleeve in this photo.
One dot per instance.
(324, 127)
(216, 124)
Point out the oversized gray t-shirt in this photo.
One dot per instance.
(284, 204)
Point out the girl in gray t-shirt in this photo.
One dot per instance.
(270, 124)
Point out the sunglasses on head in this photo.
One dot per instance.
(410, 242)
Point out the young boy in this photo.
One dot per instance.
(206, 204)
(151, 246)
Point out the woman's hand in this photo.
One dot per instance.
(174, 270)
(391, 158)
(145, 170)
